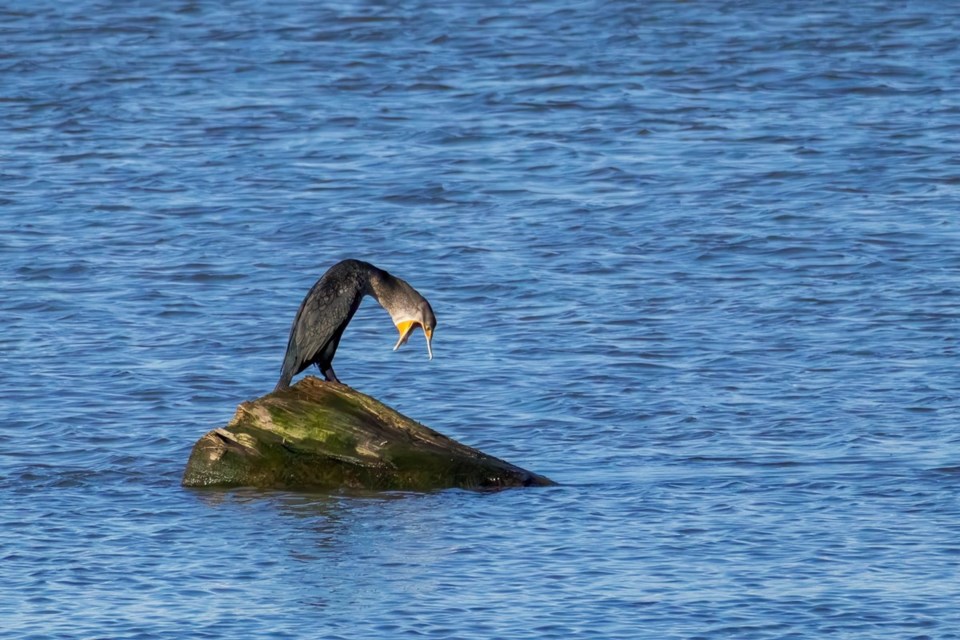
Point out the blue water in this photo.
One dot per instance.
(698, 262)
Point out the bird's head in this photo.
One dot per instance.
(419, 315)
(406, 307)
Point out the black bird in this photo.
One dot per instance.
(330, 305)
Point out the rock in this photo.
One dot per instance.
(327, 436)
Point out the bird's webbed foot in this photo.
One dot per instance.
(330, 375)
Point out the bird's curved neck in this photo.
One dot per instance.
(378, 285)
(387, 290)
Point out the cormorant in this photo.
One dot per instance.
(331, 303)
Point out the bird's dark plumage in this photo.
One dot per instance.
(331, 303)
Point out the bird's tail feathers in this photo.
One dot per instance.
(284, 382)
(287, 372)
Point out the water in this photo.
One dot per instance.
(698, 262)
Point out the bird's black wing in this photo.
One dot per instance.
(324, 311)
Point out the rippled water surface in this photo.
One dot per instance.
(698, 262)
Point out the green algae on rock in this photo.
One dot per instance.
(327, 436)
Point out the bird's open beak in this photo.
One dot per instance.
(406, 330)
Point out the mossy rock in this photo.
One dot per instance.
(320, 435)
